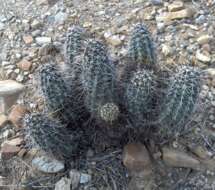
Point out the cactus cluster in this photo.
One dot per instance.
(50, 136)
(95, 91)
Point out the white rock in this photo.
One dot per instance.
(47, 165)
(204, 39)
(60, 18)
(85, 178)
(63, 184)
(202, 57)
(2, 26)
(43, 40)
(166, 50)
(75, 178)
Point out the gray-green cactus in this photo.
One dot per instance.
(74, 44)
(139, 95)
(181, 97)
(99, 79)
(50, 136)
(59, 97)
(141, 47)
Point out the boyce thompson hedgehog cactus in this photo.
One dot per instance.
(51, 136)
(59, 98)
(139, 96)
(141, 47)
(181, 97)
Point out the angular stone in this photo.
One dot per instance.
(24, 65)
(16, 115)
(47, 165)
(167, 17)
(43, 40)
(75, 178)
(8, 151)
(28, 39)
(22, 153)
(136, 157)
(204, 39)
(9, 93)
(3, 120)
(35, 24)
(176, 6)
(176, 158)
(63, 184)
(114, 40)
(14, 142)
(203, 57)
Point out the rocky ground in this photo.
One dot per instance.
(184, 33)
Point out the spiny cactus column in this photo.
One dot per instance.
(181, 98)
(51, 136)
(98, 79)
(59, 98)
(74, 43)
(139, 96)
(141, 47)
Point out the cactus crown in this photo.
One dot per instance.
(141, 47)
(139, 94)
(51, 136)
(182, 95)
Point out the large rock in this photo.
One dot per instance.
(136, 157)
(9, 93)
(176, 158)
(47, 165)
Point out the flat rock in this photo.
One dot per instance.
(63, 184)
(167, 17)
(10, 87)
(16, 115)
(3, 120)
(176, 158)
(14, 142)
(136, 157)
(8, 151)
(176, 6)
(47, 165)
(43, 40)
(9, 93)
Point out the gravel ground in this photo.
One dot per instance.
(27, 26)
